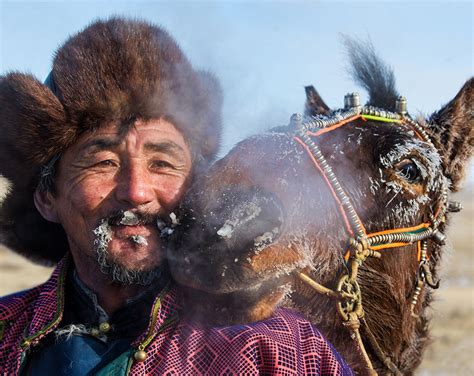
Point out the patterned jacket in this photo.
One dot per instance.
(284, 344)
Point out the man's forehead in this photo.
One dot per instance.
(151, 134)
(121, 130)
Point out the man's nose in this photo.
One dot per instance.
(135, 187)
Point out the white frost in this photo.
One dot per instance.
(226, 230)
(174, 219)
(139, 239)
(103, 234)
(164, 229)
(5, 188)
(224, 268)
(265, 239)
(244, 214)
(129, 219)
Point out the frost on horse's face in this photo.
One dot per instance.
(264, 211)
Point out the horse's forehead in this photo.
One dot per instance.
(264, 149)
(380, 145)
(369, 130)
(374, 139)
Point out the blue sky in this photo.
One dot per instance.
(265, 52)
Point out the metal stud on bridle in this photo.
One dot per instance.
(401, 105)
(351, 100)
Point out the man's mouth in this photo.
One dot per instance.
(131, 219)
(132, 226)
(126, 231)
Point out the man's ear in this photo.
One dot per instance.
(451, 130)
(44, 203)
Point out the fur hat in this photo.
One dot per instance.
(115, 70)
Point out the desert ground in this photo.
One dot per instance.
(452, 349)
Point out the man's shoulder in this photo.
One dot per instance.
(285, 321)
(283, 326)
(283, 343)
(298, 341)
(13, 305)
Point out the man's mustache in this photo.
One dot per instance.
(134, 218)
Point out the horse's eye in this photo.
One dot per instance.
(409, 171)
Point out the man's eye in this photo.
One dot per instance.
(161, 164)
(107, 163)
(409, 171)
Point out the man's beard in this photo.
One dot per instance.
(117, 272)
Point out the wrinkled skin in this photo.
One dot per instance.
(143, 170)
(263, 212)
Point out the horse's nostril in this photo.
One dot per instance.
(249, 216)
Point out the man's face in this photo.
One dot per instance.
(142, 171)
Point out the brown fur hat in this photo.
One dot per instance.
(114, 70)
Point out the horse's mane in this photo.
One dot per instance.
(369, 71)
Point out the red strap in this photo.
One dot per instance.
(341, 208)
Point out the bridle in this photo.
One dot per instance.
(361, 244)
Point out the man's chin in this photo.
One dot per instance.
(130, 264)
(124, 276)
(128, 252)
(136, 252)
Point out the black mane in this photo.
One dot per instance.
(369, 71)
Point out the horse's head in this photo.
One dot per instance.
(251, 205)
(267, 209)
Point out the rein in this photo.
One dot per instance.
(347, 294)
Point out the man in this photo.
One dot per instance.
(98, 157)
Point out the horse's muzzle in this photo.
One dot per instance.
(213, 246)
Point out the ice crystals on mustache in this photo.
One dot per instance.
(139, 239)
(125, 218)
(103, 234)
(129, 219)
(103, 237)
(166, 230)
(116, 271)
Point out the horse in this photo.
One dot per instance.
(339, 215)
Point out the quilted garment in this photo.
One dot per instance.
(285, 344)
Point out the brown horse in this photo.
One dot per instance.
(339, 215)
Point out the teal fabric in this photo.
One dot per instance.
(79, 355)
(119, 366)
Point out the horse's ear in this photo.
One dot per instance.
(451, 130)
(314, 104)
